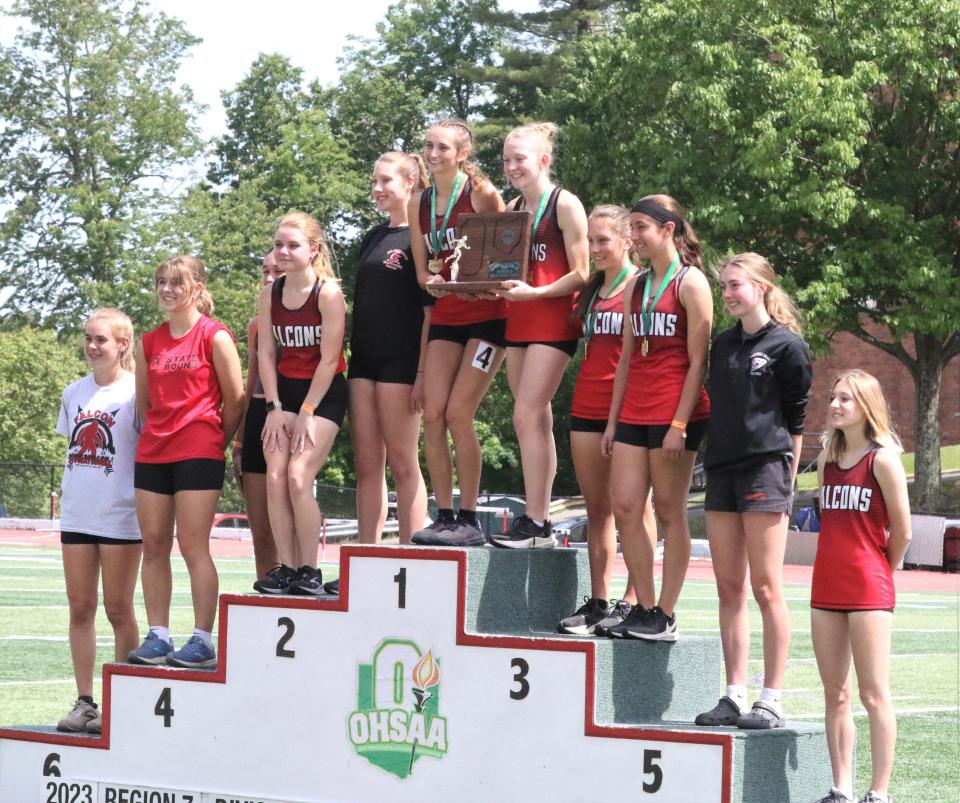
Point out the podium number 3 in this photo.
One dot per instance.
(520, 678)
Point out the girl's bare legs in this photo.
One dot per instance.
(370, 455)
(400, 428)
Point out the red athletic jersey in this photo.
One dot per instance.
(184, 421)
(594, 388)
(297, 333)
(548, 319)
(656, 380)
(450, 310)
(851, 571)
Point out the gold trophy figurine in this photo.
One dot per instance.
(459, 246)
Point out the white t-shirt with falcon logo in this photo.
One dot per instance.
(102, 429)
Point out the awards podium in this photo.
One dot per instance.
(437, 675)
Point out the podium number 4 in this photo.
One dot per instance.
(163, 707)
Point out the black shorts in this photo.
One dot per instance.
(84, 538)
(578, 424)
(761, 487)
(851, 610)
(493, 332)
(398, 370)
(252, 460)
(333, 405)
(568, 347)
(650, 436)
(197, 474)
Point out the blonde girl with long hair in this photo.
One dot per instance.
(190, 396)
(303, 313)
(391, 318)
(99, 533)
(864, 534)
(541, 333)
(760, 377)
(465, 341)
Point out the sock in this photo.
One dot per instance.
(204, 636)
(469, 516)
(772, 698)
(538, 522)
(739, 695)
(162, 633)
(87, 699)
(445, 514)
(878, 796)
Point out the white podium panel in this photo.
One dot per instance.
(377, 696)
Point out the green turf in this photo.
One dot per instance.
(949, 461)
(36, 685)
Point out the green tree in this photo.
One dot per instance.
(823, 135)
(92, 126)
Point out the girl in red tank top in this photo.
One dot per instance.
(541, 333)
(190, 396)
(465, 338)
(304, 313)
(658, 411)
(600, 308)
(864, 533)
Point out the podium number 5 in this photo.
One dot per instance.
(650, 767)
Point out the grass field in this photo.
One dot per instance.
(36, 684)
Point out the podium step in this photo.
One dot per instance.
(400, 691)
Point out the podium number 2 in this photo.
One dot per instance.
(650, 767)
(163, 707)
(287, 623)
(520, 679)
(400, 578)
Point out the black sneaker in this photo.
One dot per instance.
(525, 534)
(584, 621)
(619, 611)
(637, 616)
(307, 583)
(277, 581)
(428, 535)
(459, 532)
(333, 587)
(657, 627)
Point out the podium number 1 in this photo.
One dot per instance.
(400, 578)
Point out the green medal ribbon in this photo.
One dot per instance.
(646, 310)
(544, 197)
(436, 238)
(588, 321)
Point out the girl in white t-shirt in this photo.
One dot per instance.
(98, 520)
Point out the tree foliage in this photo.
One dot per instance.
(92, 126)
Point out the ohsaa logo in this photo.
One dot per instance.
(758, 361)
(397, 718)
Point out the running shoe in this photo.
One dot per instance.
(307, 583)
(618, 612)
(524, 533)
(95, 725)
(873, 797)
(835, 796)
(429, 534)
(76, 721)
(637, 617)
(277, 581)
(726, 712)
(584, 621)
(657, 626)
(458, 532)
(195, 654)
(153, 651)
(333, 587)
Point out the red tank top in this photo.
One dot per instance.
(297, 333)
(547, 319)
(450, 310)
(184, 420)
(594, 388)
(851, 571)
(656, 380)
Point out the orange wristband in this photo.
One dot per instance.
(678, 425)
(307, 408)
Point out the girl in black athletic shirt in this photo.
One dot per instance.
(391, 315)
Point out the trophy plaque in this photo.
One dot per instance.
(488, 249)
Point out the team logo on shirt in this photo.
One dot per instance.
(175, 362)
(664, 324)
(294, 336)
(91, 441)
(845, 497)
(758, 361)
(397, 720)
(395, 259)
(608, 323)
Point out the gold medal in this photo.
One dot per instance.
(435, 265)
(644, 347)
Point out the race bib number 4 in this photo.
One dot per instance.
(483, 357)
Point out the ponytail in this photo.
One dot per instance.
(312, 231)
(618, 219)
(665, 209)
(411, 166)
(188, 270)
(464, 138)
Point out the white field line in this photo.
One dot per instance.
(807, 630)
(910, 655)
(900, 712)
